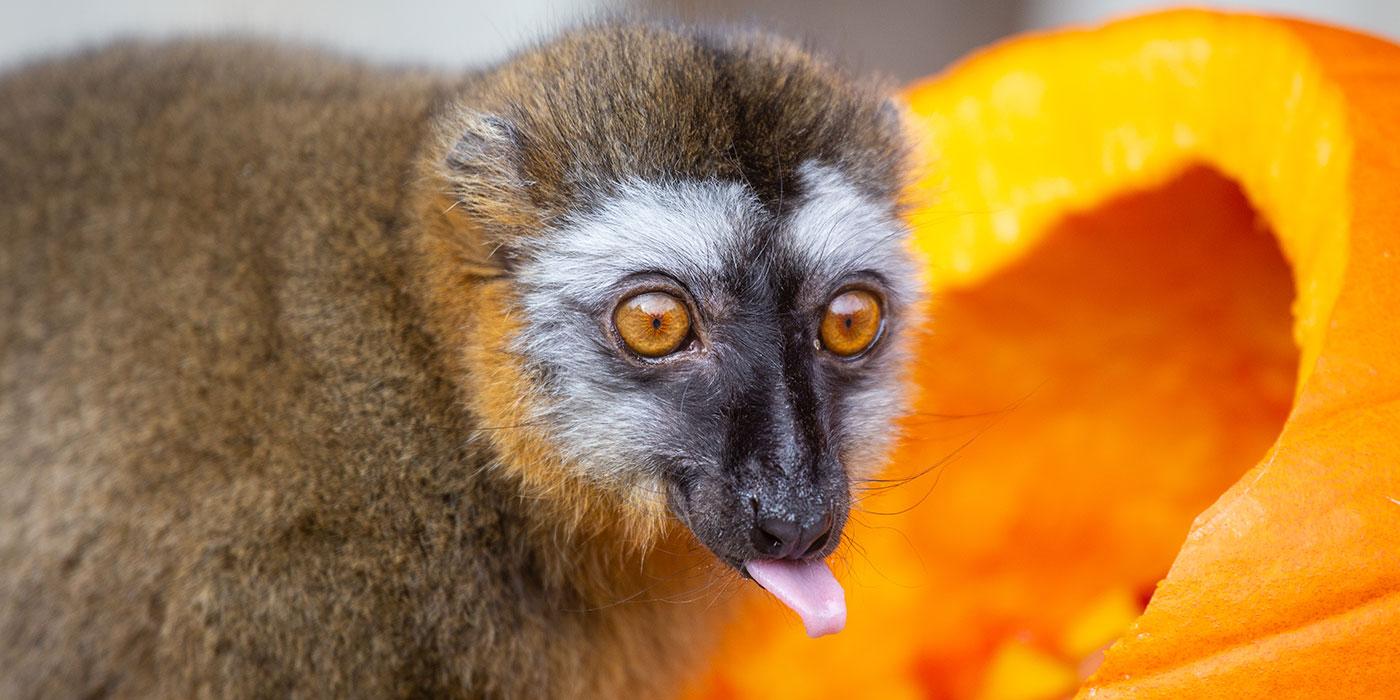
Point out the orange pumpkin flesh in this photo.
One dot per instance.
(1110, 349)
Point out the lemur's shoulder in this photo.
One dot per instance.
(135, 109)
(206, 66)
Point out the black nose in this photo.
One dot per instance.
(783, 538)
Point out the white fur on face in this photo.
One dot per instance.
(621, 431)
(688, 230)
(612, 429)
(838, 230)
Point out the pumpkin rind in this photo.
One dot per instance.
(1289, 586)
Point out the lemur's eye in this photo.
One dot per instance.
(851, 322)
(652, 323)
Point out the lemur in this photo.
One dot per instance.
(324, 379)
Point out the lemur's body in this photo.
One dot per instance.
(285, 407)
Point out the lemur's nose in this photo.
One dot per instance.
(783, 538)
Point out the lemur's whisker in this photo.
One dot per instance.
(917, 554)
(882, 484)
(886, 484)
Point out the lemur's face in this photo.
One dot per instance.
(701, 234)
(741, 360)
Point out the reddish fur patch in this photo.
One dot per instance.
(475, 312)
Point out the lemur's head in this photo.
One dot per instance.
(705, 276)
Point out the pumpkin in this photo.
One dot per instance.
(1165, 257)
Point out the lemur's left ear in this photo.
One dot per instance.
(483, 167)
(891, 109)
(483, 139)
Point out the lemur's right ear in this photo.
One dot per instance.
(482, 140)
(483, 167)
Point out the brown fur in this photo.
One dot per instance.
(261, 431)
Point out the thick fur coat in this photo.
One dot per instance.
(265, 427)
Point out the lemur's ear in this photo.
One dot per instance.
(483, 139)
(890, 115)
(483, 168)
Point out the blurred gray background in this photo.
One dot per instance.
(904, 39)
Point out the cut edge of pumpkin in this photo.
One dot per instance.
(1022, 135)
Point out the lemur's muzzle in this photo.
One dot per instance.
(793, 530)
(776, 521)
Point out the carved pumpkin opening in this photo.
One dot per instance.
(1116, 379)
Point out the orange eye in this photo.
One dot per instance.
(652, 324)
(851, 322)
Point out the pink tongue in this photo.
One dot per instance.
(808, 588)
